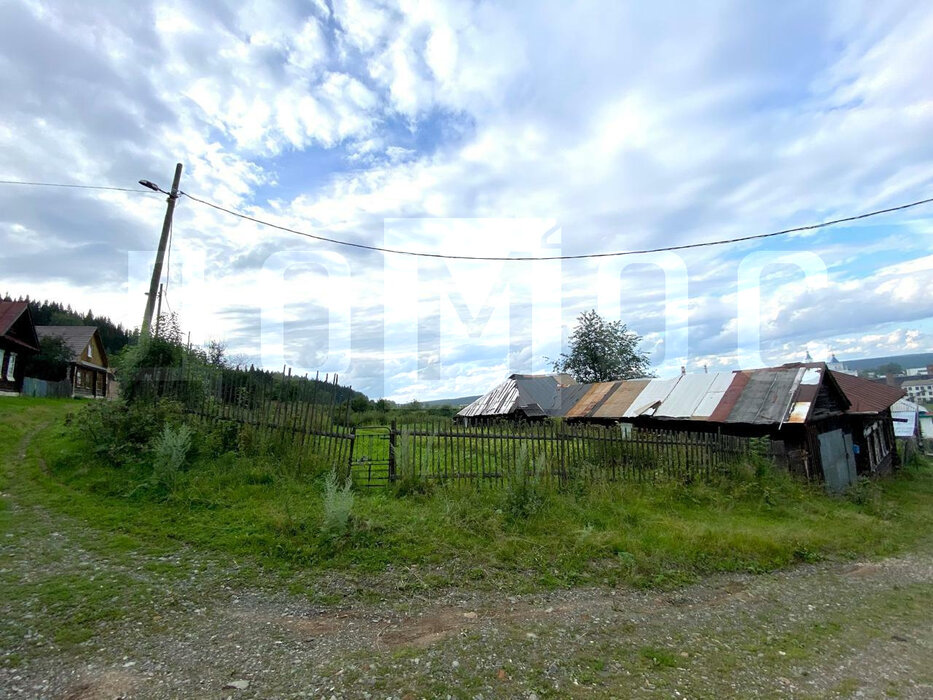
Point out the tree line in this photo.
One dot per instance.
(114, 336)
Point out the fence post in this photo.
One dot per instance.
(350, 455)
(560, 451)
(392, 436)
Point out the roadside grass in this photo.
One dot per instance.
(524, 537)
(77, 581)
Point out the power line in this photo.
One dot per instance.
(78, 187)
(581, 256)
(420, 254)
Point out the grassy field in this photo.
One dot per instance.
(525, 537)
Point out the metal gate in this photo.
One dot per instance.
(838, 460)
(372, 456)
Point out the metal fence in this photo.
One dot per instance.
(46, 389)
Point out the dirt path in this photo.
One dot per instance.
(88, 615)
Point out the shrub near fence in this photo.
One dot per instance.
(309, 418)
(291, 414)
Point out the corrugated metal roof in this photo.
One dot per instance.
(865, 395)
(767, 396)
(650, 398)
(686, 396)
(730, 397)
(501, 401)
(595, 394)
(618, 401)
(534, 395)
(714, 395)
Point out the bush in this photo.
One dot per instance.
(338, 504)
(118, 431)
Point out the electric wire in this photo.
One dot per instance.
(74, 186)
(491, 258)
(581, 256)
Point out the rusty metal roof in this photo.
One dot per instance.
(767, 396)
(865, 395)
(607, 400)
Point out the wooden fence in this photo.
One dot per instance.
(552, 450)
(305, 418)
(299, 415)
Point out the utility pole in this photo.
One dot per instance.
(159, 312)
(163, 241)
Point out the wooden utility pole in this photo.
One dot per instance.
(159, 311)
(157, 267)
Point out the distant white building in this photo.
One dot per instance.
(919, 390)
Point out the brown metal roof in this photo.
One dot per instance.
(593, 397)
(865, 395)
(618, 402)
(10, 313)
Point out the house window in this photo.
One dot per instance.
(2, 358)
(90, 351)
(11, 366)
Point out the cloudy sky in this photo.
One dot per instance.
(474, 128)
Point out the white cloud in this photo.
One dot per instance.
(631, 126)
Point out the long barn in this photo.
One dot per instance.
(822, 423)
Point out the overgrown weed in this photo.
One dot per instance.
(169, 454)
(338, 504)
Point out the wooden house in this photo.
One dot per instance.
(18, 340)
(89, 369)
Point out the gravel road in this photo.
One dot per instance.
(89, 615)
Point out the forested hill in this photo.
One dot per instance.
(51, 313)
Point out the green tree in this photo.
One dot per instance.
(52, 361)
(359, 403)
(602, 351)
(216, 353)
